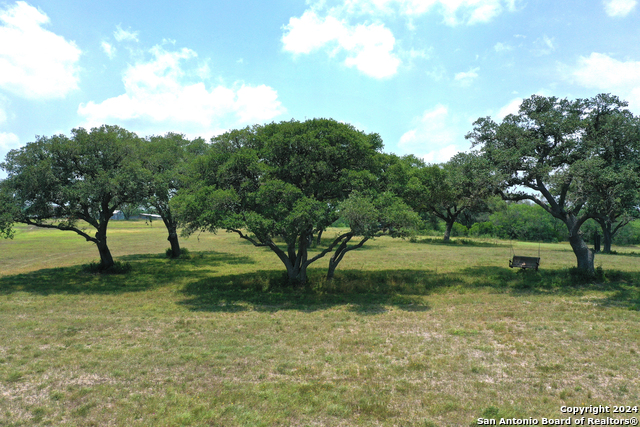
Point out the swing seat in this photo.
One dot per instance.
(524, 262)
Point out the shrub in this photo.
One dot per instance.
(482, 229)
(459, 230)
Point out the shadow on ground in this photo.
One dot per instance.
(266, 290)
(148, 271)
(619, 288)
(204, 282)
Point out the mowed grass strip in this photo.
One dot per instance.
(411, 334)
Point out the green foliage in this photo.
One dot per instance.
(129, 210)
(166, 160)
(444, 191)
(485, 228)
(523, 221)
(458, 230)
(56, 181)
(575, 159)
(286, 182)
(8, 212)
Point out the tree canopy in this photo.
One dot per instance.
(445, 191)
(69, 183)
(167, 159)
(549, 154)
(286, 182)
(611, 173)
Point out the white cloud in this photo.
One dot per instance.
(601, 72)
(454, 12)
(109, 49)
(619, 8)
(164, 95)
(125, 35)
(511, 108)
(435, 136)
(502, 47)
(466, 78)
(441, 155)
(369, 47)
(35, 62)
(544, 46)
(8, 141)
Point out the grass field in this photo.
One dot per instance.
(409, 334)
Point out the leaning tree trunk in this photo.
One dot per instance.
(175, 244)
(340, 253)
(106, 260)
(584, 255)
(336, 258)
(172, 229)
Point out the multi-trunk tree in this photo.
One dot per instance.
(281, 184)
(74, 183)
(552, 153)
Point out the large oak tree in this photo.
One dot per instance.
(74, 183)
(611, 173)
(166, 158)
(281, 184)
(553, 154)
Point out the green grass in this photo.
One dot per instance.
(410, 334)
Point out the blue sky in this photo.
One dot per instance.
(418, 72)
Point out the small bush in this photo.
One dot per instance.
(459, 230)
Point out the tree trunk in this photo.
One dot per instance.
(106, 260)
(318, 240)
(336, 258)
(340, 253)
(607, 237)
(332, 269)
(447, 230)
(175, 244)
(584, 255)
(297, 265)
(297, 276)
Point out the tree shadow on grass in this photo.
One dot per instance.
(371, 292)
(622, 289)
(363, 292)
(148, 271)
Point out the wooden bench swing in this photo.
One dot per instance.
(524, 262)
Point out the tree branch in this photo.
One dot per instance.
(329, 248)
(60, 227)
(244, 236)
